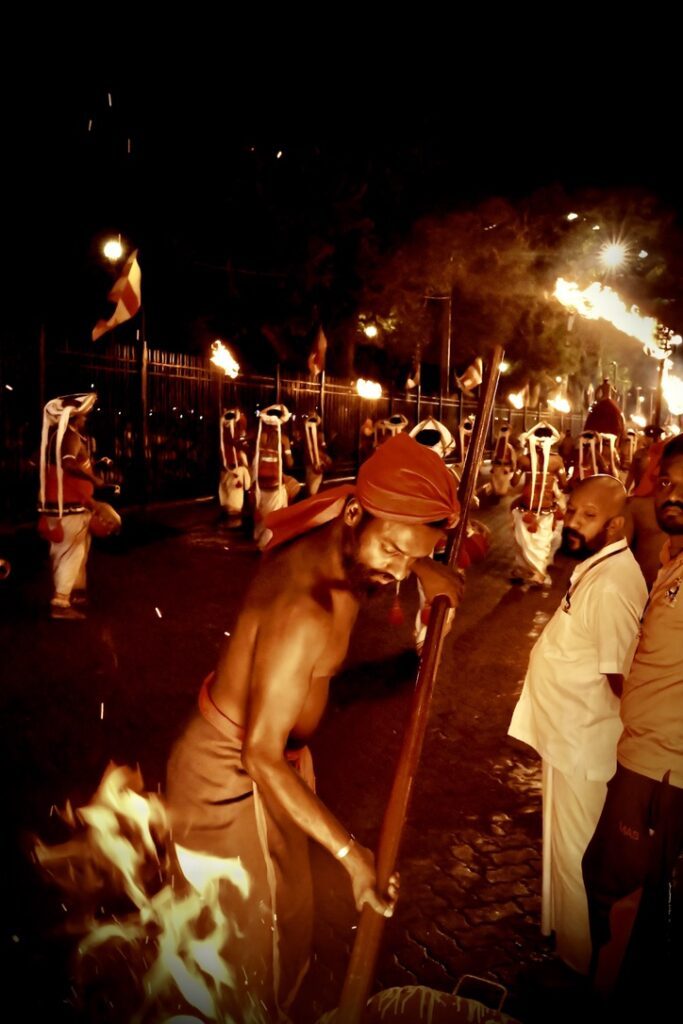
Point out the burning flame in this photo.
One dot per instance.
(183, 926)
(672, 389)
(221, 356)
(639, 421)
(560, 405)
(516, 399)
(368, 388)
(601, 303)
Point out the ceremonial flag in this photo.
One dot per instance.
(316, 359)
(126, 293)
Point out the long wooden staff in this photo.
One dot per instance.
(361, 969)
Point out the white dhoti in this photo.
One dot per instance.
(268, 501)
(234, 484)
(571, 809)
(536, 550)
(313, 480)
(69, 557)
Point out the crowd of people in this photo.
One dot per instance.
(602, 701)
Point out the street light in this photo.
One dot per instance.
(613, 255)
(113, 250)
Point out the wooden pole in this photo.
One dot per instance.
(361, 967)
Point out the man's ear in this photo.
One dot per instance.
(617, 524)
(353, 513)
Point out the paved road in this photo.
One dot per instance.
(118, 687)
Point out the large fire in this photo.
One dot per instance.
(175, 929)
(598, 302)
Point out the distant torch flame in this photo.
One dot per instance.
(599, 303)
(516, 399)
(560, 404)
(368, 388)
(672, 389)
(221, 356)
(639, 421)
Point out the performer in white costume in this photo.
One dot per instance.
(316, 458)
(536, 514)
(273, 488)
(235, 478)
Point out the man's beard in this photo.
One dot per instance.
(585, 548)
(669, 525)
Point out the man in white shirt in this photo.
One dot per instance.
(630, 864)
(568, 710)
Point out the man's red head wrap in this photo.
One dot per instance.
(403, 481)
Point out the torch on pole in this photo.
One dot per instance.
(361, 969)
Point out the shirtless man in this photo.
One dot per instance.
(240, 781)
(536, 513)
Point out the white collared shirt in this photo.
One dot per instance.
(566, 710)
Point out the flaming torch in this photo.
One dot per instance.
(222, 356)
(368, 389)
(601, 303)
(516, 399)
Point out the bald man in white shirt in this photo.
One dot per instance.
(568, 710)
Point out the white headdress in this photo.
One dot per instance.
(545, 443)
(442, 441)
(587, 440)
(465, 431)
(390, 427)
(58, 412)
(311, 426)
(611, 440)
(274, 416)
(230, 419)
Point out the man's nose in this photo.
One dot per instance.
(400, 567)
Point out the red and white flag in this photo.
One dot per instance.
(316, 360)
(126, 293)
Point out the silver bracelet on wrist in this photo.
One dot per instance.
(343, 850)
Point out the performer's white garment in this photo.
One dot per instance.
(69, 557)
(234, 484)
(313, 480)
(268, 501)
(571, 809)
(536, 550)
(568, 713)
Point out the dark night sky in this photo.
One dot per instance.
(192, 193)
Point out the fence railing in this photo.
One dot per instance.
(165, 444)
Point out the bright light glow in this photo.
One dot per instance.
(504, 366)
(370, 331)
(572, 216)
(560, 404)
(601, 303)
(221, 356)
(639, 421)
(596, 227)
(613, 255)
(558, 380)
(113, 249)
(516, 399)
(673, 429)
(643, 254)
(672, 389)
(368, 388)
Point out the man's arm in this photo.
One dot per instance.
(72, 461)
(286, 653)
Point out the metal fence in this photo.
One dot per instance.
(157, 417)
